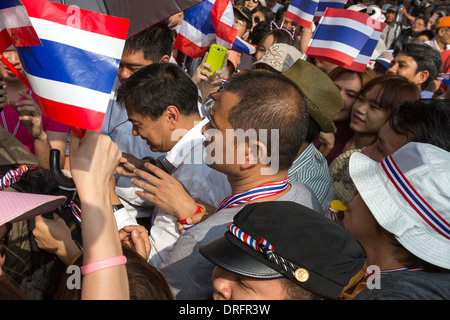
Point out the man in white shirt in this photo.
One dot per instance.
(161, 102)
(149, 46)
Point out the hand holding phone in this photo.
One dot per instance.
(216, 57)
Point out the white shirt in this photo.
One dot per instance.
(202, 182)
(117, 126)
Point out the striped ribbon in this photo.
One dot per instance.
(415, 200)
(76, 211)
(263, 191)
(12, 176)
(249, 240)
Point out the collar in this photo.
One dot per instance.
(179, 151)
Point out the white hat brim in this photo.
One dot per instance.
(394, 213)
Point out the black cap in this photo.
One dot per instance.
(245, 12)
(309, 249)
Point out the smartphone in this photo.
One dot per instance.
(216, 57)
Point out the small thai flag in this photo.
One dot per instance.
(15, 26)
(340, 36)
(73, 72)
(323, 4)
(302, 12)
(208, 22)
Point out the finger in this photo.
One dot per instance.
(141, 243)
(158, 172)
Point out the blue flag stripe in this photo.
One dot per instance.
(341, 34)
(4, 4)
(67, 64)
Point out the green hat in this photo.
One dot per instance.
(322, 96)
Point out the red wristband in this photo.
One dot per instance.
(199, 210)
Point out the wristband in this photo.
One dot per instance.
(103, 264)
(199, 210)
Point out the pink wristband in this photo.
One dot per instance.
(103, 264)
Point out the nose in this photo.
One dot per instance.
(221, 283)
(392, 69)
(123, 73)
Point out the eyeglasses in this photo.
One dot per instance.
(240, 22)
(4, 241)
(209, 103)
(254, 1)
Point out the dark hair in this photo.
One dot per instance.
(145, 281)
(296, 292)
(393, 90)
(426, 121)
(259, 31)
(270, 101)
(10, 290)
(269, 15)
(426, 57)
(279, 36)
(313, 130)
(155, 42)
(153, 88)
(428, 33)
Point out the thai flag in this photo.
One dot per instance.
(340, 36)
(323, 4)
(15, 26)
(208, 22)
(73, 72)
(362, 60)
(302, 12)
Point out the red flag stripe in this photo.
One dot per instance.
(72, 115)
(70, 16)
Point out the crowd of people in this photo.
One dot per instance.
(278, 176)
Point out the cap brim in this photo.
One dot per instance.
(393, 212)
(231, 254)
(18, 206)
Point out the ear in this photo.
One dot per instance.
(165, 59)
(173, 117)
(255, 152)
(422, 76)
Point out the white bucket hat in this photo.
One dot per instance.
(408, 193)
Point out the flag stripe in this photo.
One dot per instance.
(68, 93)
(68, 64)
(78, 18)
(4, 4)
(339, 33)
(72, 116)
(85, 40)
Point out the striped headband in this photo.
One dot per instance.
(415, 200)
